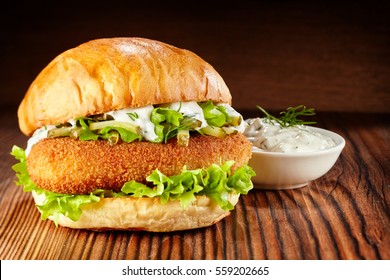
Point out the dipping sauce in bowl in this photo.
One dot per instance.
(270, 136)
(290, 157)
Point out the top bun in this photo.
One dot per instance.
(115, 73)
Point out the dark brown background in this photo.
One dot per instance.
(333, 56)
(330, 55)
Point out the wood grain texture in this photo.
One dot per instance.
(343, 215)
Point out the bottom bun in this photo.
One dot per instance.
(146, 214)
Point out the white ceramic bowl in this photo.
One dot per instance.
(279, 171)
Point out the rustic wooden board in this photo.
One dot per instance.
(343, 215)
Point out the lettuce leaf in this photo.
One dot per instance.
(215, 115)
(126, 135)
(86, 134)
(216, 182)
(167, 123)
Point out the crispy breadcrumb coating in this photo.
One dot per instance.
(70, 166)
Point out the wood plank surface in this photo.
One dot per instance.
(342, 215)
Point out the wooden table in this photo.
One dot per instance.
(343, 215)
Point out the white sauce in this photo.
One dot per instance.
(190, 109)
(143, 120)
(231, 112)
(38, 135)
(272, 137)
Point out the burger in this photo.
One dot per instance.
(132, 134)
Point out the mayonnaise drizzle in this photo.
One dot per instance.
(231, 112)
(190, 109)
(142, 120)
(272, 137)
(38, 135)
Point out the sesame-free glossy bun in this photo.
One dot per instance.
(115, 73)
(146, 214)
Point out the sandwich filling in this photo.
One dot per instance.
(155, 124)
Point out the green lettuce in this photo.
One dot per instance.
(167, 123)
(215, 115)
(216, 182)
(85, 133)
(106, 133)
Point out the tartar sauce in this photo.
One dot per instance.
(232, 112)
(142, 120)
(190, 109)
(38, 135)
(272, 137)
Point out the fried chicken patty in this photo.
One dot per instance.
(72, 166)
